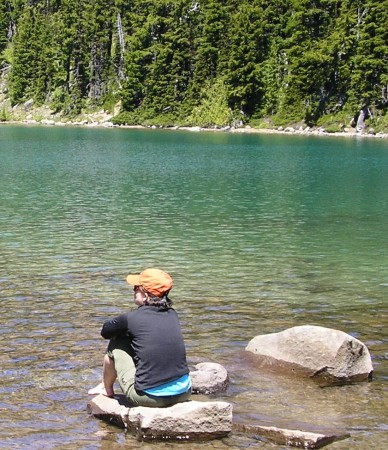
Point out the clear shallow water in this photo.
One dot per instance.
(260, 233)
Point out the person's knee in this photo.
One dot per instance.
(119, 344)
(108, 360)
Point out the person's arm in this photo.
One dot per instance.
(115, 327)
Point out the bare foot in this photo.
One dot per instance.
(100, 389)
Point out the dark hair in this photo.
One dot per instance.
(160, 302)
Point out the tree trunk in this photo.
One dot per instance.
(360, 127)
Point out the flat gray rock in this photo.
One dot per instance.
(318, 352)
(292, 438)
(191, 420)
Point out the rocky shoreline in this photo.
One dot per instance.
(29, 114)
(303, 131)
(104, 121)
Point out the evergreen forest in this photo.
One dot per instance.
(205, 62)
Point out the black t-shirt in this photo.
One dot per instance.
(155, 343)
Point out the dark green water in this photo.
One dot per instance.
(260, 233)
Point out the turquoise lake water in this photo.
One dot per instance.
(260, 233)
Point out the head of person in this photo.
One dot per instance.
(151, 287)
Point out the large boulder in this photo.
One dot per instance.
(322, 353)
(209, 378)
(191, 420)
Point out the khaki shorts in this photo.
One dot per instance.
(118, 350)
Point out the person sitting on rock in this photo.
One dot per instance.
(146, 351)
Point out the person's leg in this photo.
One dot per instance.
(118, 364)
(139, 399)
(109, 376)
(126, 371)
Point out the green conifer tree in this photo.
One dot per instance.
(4, 25)
(369, 77)
(248, 50)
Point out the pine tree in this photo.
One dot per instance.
(24, 56)
(211, 37)
(249, 47)
(4, 25)
(369, 80)
(169, 69)
(307, 63)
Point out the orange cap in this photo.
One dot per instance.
(154, 281)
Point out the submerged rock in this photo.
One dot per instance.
(321, 353)
(293, 438)
(191, 420)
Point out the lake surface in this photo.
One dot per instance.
(260, 233)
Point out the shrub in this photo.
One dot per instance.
(4, 115)
(213, 109)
